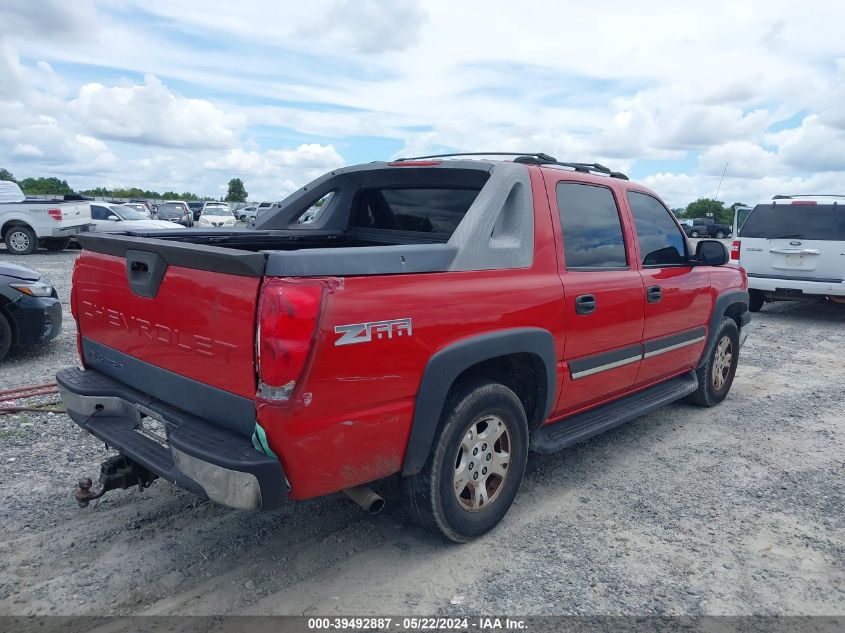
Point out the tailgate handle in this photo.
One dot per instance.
(144, 271)
(795, 251)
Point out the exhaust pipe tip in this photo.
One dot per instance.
(376, 506)
(366, 498)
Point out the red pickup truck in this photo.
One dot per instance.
(433, 318)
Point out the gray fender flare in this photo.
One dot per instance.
(448, 363)
(723, 302)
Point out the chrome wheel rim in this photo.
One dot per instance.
(482, 463)
(19, 240)
(722, 362)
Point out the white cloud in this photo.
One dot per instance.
(151, 114)
(25, 149)
(275, 173)
(813, 147)
(369, 26)
(54, 18)
(743, 159)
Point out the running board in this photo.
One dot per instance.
(582, 426)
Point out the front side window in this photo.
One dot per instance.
(592, 230)
(661, 241)
(129, 214)
(99, 213)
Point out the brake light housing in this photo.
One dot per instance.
(74, 310)
(56, 214)
(735, 250)
(288, 315)
(414, 163)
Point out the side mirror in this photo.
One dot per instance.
(114, 218)
(711, 253)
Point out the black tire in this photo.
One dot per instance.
(20, 240)
(5, 337)
(720, 235)
(756, 299)
(56, 244)
(716, 376)
(430, 496)
(693, 234)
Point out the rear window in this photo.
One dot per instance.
(172, 208)
(798, 221)
(430, 210)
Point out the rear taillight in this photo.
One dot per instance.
(74, 310)
(56, 214)
(287, 321)
(735, 250)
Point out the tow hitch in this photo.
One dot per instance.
(116, 472)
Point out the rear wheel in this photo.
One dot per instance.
(21, 240)
(56, 244)
(720, 234)
(5, 337)
(716, 376)
(756, 299)
(476, 465)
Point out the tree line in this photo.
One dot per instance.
(53, 186)
(709, 208)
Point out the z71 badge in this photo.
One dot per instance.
(375, 330)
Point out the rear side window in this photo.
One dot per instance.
(796, 221)
(315, 211)
(661, 241)
(592, 231)
(431, 210)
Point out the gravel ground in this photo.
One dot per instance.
(734, 510)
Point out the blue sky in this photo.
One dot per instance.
(183, 95)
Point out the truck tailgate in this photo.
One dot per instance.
(74, 213)
(198, 322)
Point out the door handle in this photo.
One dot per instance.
(585, 304)
(654, 294)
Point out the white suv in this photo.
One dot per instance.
(793, 247)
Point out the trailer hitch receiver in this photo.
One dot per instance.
(116, 472)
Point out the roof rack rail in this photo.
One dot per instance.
(809, 195)
(540, 155)
(531, 158)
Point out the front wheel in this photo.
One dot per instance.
(716, 375)
(56, 244)
(720, 234)
(694, 234)
(21, 240)
(476, 465)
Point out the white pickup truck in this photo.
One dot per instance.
(26, 224)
